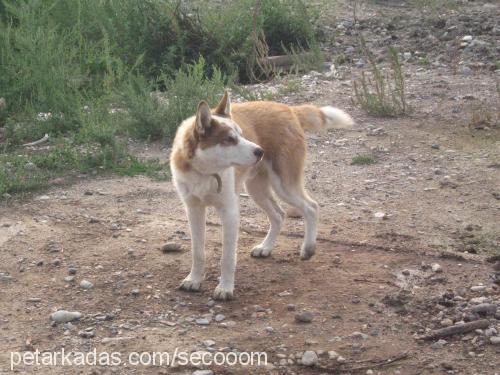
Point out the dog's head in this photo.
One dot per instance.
(219, 140)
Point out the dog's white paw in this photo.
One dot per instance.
(260, 251)
(223, 294)
(190, 285)
(307, 251)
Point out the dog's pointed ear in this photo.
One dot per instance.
(224, 106)
(203, 118)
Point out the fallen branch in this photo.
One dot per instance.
(373, 363)
(382, 363)
(285, 60)
(456, 329)
(45, 138)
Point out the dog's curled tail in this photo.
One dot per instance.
(318, 119)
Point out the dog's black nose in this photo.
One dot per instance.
(258, 152)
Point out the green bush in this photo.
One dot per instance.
(89, 73)
(243, 33)
(155, 115)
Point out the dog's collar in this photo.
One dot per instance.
(219, 182)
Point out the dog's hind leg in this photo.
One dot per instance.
(295, 195)
(260, 190)
(196, 216)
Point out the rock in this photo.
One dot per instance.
(85, 284)
(309, 358)
(203, 372)
(220, 317)
(208, 343)
(63, 316)
(135, 292)
(5, 278)
(228, 324)
(477, 288)
(72, 270)
(406, 272)
(290, 307)
(107, 340)
(467, 38)
(489, 332)
(304, 317)
(87, 334)
(435, 146)
(340, 359)
(478, 300)
(269, 329)
(439, 344)
(359, 335)
(202, 321)
(171, 247)
(495, 340)
(380, 215)
(446, 322)
(69, 279)
(485, 309)
(332, 354)
(436, 268)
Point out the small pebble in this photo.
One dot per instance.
(203, 372)
(171, 247)
(219, 317)
(495, 340)
(63, 316)
(309, 358)
(304, 317)
(436, 268)
(202, 321)
(477, 288)
(85, 284)
(446, 322)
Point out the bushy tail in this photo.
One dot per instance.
(318, 119)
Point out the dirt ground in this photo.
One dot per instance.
(432, 197)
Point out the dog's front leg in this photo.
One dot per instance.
(196, 217)
(230, 217)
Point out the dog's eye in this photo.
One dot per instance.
(230, 139)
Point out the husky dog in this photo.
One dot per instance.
(260, 145)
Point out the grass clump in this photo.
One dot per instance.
(434, 6)
(363, 160)
(382, 94)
